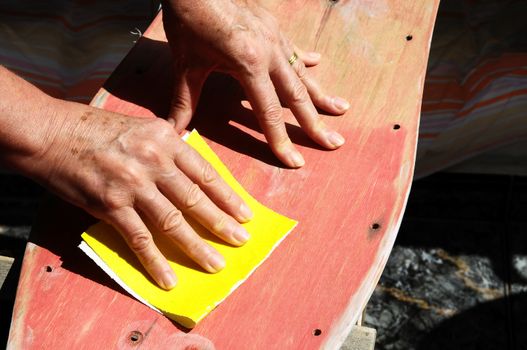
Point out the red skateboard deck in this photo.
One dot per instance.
(349, 202)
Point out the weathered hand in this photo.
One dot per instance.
(242, 39)
(132, 171)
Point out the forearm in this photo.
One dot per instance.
(26, 116)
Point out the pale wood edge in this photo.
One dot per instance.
(6, 262)
(350, 316)
(17, 327)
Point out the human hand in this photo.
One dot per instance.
(135, 173)
(242, 39)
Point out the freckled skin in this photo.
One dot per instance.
(86, 115)
(122, 170)
(126, 170)
(244, 40)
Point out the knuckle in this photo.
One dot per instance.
(301, 71)
(161, 125)
(181, 149)
(172, 221)
(113, 200)
(139, 241)
(299, 94)
(209, 175)
(247, 54)
(161, 129)
(131, 175)
(178, 100)
(193, 197)
(230, 199)
(220, 224)
(197, 249)
(272, 114)
(149, 152)
(207, 253)
(251, 56)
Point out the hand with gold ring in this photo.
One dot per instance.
(243, 39)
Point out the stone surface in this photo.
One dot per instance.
(457, 277)
(360, 338)
(423, 292)
(518, 287)
(6, 262)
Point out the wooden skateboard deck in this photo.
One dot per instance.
(349, 202)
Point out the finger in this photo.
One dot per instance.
(265, 103)
(310, 58)
(191, 200)
(332, 104)
(200, 172)
(169, 221)
(187, 89)
(139, 239)
(294, 93)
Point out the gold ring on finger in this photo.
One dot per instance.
(293, 58)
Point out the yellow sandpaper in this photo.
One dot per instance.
(197, 292)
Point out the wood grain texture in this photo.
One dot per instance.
(349, 202)
(5, 266)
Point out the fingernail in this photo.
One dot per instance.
(314, 55)
(297, 159)
(245, 212)
(336, 139)
(168, 279)
(216, 262)
(341, 103)
(241, 235)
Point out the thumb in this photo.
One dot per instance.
(187, 89)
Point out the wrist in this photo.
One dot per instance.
(27, 119)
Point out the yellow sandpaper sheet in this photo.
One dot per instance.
(197, 292)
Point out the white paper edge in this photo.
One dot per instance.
(97, 259)
(186, 135)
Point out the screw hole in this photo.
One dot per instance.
(409, 37)
(396, 127)
(375, 226)
(333, 1)
(136, 337)
(317, 332)
(49, 268)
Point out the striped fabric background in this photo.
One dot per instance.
(69, 48)
(475, 94)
